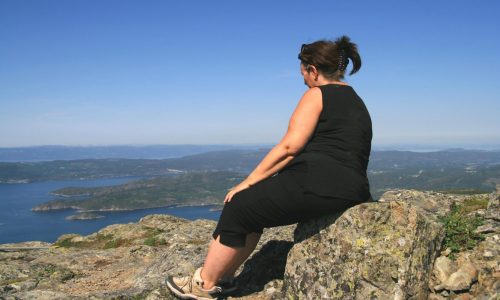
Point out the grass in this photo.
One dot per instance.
(152, 239)
(474, 203)
(460, 225)
(119, 242)
(464, 191)
(101, 240)
(155, 241)
(66, 243)
(109, 241)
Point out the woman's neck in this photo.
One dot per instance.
(323, 81)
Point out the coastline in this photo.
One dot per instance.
(80, 210)
(20, 223)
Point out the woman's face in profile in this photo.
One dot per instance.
(306, 75)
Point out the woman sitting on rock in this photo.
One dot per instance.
(318, 168)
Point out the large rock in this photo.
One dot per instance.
(443, 268)
(371, 251)
(462, 279)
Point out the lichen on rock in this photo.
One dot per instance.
(378, 250)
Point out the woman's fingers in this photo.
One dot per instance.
(229, 194)
(228, 198)
(233, 191)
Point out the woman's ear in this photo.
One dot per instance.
(314, 72)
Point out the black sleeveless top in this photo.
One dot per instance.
(334, 161)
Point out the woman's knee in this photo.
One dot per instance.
(239, 202)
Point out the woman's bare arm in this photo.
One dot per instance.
(300, 128)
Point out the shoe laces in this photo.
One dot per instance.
(188, 281)
(191, 279)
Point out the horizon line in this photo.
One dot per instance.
(392, 145)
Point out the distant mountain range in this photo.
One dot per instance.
(47, 153)
(441, 170)
(229, 160)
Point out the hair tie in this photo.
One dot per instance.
(343, 60)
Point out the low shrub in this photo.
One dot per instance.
(460, 226)
(154, 241)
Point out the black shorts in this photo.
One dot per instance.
(274, 201)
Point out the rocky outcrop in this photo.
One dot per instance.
(474, 273)
(374, 250)
(128, 261)
(385, 250)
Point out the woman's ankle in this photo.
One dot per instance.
(207, 284)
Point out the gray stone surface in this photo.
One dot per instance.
(443, 268)
(382, 250)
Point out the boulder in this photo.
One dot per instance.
(371, 251)
(462, 279)
(443, 268)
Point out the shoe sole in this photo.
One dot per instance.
(229, 290)
(174, 289)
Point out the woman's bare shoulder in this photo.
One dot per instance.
(313, 92)
(312, 97)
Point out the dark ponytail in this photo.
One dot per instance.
(351, 50)
(331, 57)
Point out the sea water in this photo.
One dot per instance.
(18, 223)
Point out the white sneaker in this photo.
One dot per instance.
(191, 287)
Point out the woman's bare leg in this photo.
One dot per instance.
(251, 242)
(223, 261)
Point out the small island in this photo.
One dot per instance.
(217, 208)
(187, 189)
(84, 216)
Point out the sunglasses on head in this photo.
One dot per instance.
(302, 48)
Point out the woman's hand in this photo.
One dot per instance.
(240, 187)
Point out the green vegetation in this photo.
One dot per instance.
(84, 216)
(100, 241)
(65, 243)
(155, 241)
(474, 203)
(434, 178)
(234, 160)
(460, 226)
(464, 191)
(119, 242)
(150, 236)
(152, 239)
(46, 270)
(58, 273)
(457, 171)
(192, 188)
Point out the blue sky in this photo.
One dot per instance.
(226, 72)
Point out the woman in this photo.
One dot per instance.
(319, 167)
